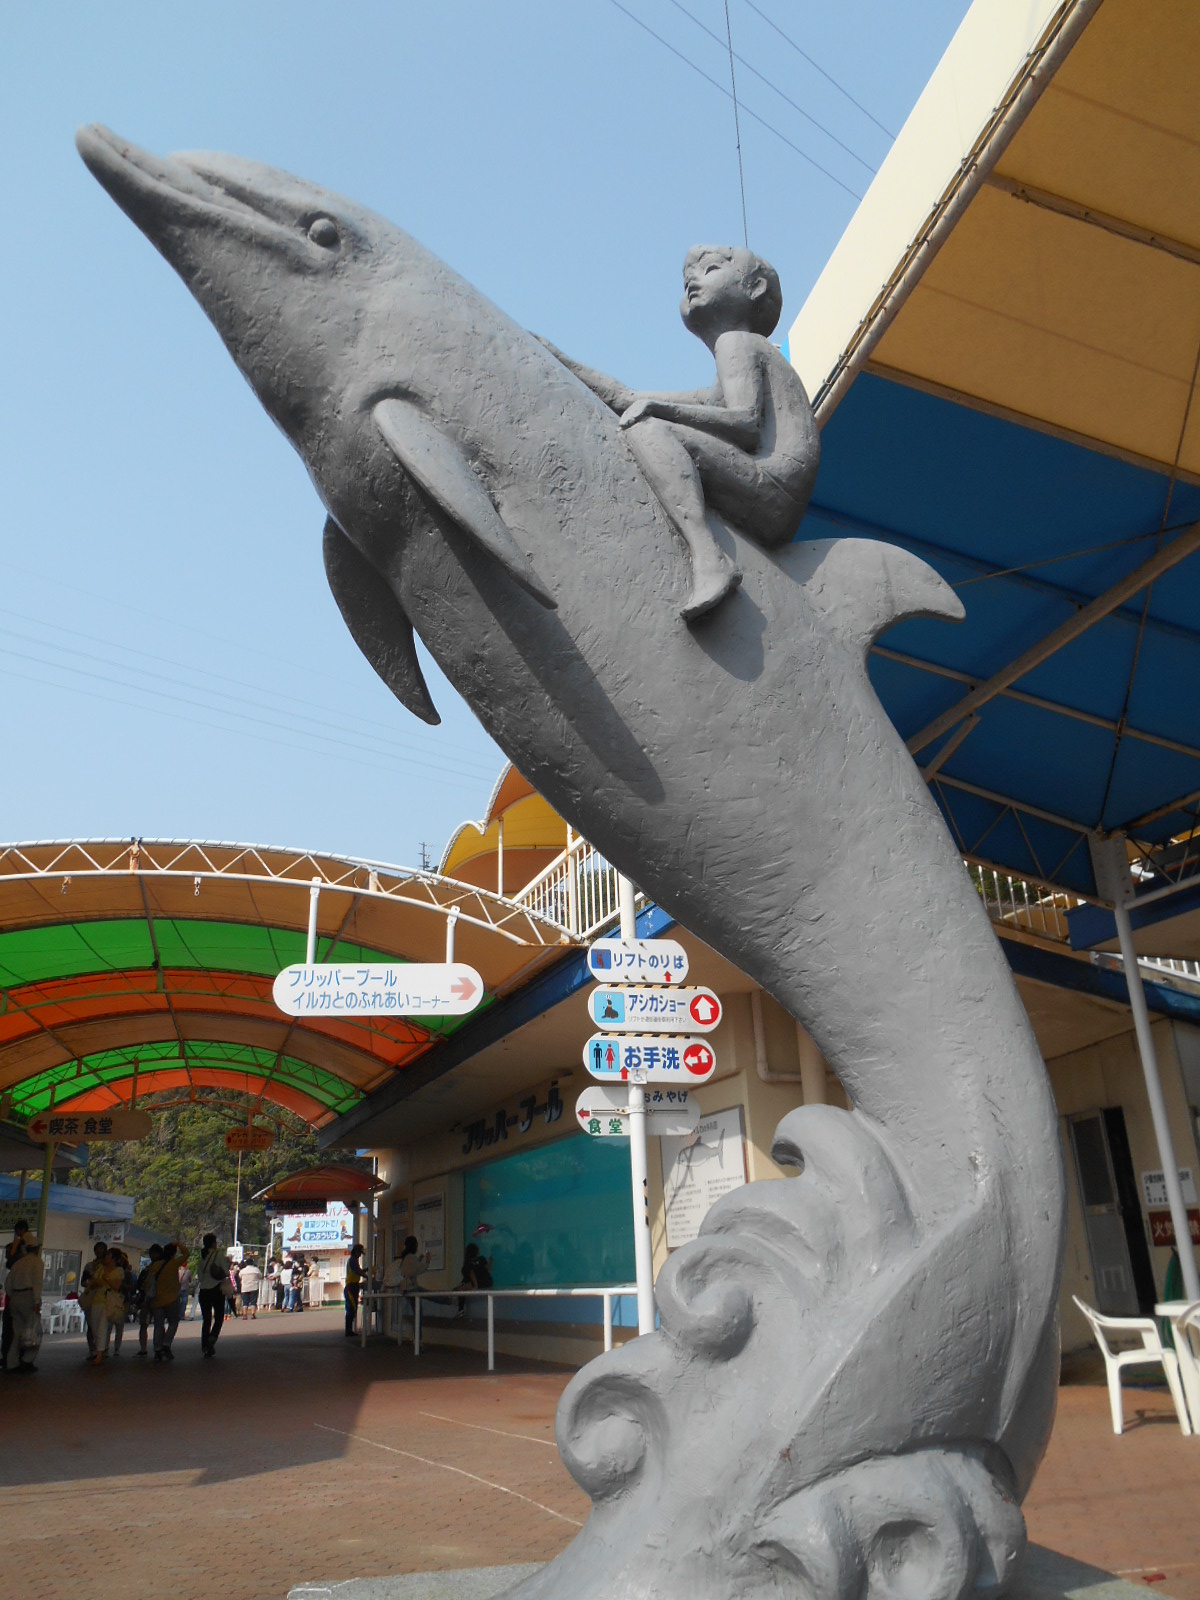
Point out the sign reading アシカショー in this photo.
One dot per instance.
(90, 1125)
(655, 1010)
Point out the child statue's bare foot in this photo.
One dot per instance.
(709, 589)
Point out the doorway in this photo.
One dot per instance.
(1112, 1215)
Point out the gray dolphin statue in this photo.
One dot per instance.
(855, 1373)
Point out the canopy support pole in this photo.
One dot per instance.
(451, 924)
(1114, 881)
(39, 1226)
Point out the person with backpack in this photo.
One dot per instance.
(144, 1296)
(213, 1278)
(166, 1300)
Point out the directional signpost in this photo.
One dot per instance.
(604, 1112)
(249, 1138)
(645, 1058)
(676, 1061)
(378, 989)
(89, 1126)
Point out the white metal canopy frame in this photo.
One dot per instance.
(132, 966)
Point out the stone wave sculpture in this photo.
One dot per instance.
(856, 1370)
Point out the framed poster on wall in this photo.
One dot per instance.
(698, 1168)
(429, 1226)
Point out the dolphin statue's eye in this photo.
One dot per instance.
(323, 231)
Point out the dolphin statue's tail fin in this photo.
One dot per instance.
(378, 622)
(435, 463)
(863, 586)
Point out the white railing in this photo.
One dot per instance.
(577, 891)
(1027, 907)
(603, 1292)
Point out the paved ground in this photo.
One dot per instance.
(295, 1456)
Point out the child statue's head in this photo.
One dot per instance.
(725, 287)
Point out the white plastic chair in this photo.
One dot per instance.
(76, 1318)
(1187, 1349)
(1148, 1353)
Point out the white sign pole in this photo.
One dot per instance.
(637, 1153)
(314, 900)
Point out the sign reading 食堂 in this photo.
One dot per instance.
(658, 1060)
(698, 1169)
(56, 1125)
(603, 1111)
(655, 1010)
(378, 989)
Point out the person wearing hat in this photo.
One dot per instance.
(13, 1251)
(23, 1295)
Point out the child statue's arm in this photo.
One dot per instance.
(735, 409)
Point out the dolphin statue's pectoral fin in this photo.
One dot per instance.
(377, 621)
(863, 586)
(437, 465)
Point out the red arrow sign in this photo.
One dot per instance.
(464, 989)
(698, 1058)
(705, 1009)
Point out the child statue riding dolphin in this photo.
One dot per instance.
(855, 1373)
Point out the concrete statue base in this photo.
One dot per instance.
(1045, 1575)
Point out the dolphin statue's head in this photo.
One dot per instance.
(258, 248)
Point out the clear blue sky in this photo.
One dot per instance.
(171, 659)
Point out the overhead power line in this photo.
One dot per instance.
(737, 129)
(774, 87)
(817, 67)
(721, 89)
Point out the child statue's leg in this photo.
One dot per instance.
(675, 479)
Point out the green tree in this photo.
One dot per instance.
(184, 1180)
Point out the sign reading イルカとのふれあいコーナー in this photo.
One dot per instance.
(378, 989)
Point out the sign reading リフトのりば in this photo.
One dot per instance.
(638, 961)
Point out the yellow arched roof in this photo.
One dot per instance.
(533, 836)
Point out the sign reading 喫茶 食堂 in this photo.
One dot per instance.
(77, 1125)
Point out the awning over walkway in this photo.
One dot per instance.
(1004, 351)
(127, 968)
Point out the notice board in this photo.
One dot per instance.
(429, 1226)
(698, 1168)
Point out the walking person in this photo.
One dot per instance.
(144, 1296)
(13, 1251)
(87, 1293)
(233, 1289)
(350, 1294)
(283, 1285)
(250, 1279)
(23, 1296)
(213, 1278)
(166, 1300)
(185, 1289)
(108, 1303)
(273, 1296)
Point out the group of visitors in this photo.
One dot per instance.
(286, 1280)
(111, 1294)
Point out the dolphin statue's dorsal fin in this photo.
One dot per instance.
(437, 465)
(863, 586)
(377, 621)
